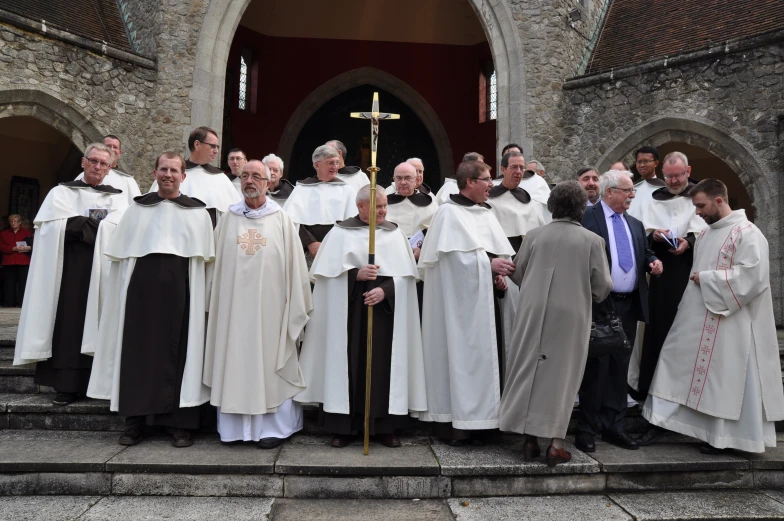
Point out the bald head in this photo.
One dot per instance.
(405, 178)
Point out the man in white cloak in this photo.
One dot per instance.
(409, 208)
(517, 213)
(719, 378)
(279, 189)
(646, 160)
(351, 175)
(259, 304)
(149, 357)
(420, 185)
(117, 178)
(207, 183)
(334, 350)
(464, 257)
(55, 302)
(236, 160)
(318, 202)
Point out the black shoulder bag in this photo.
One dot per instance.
(607, 336)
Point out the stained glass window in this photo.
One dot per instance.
(492, 98)
(244, 75)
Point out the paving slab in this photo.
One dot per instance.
(661, 506)
(665, 457)
(504, 456)
(205, 485)
(7, 368)
(773, 479)
(367, 487)
(359, 510)
(42, 402)
(55, 483)
(17, 384)
(321, 459)
(669, 480)
(778, 494)
(6, 351)
(556, 508)
(771, 459)
(37, 508)
(56, 451)
(207, 456)
(488, 486)
(178, 509)
(66, 421)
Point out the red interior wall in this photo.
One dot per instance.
(291, 68)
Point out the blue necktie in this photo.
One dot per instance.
(622, 244)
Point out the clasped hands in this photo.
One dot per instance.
(375, 295)
(502, 268)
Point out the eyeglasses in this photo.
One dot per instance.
(644, 161)
(95, 162)
(211, 145)
(674, 176)
(333, 163)
(407, 179)
(255, 177)
(485, 179)
(627, 190)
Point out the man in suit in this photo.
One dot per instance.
(603, 390)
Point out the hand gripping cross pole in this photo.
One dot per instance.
(375, 117)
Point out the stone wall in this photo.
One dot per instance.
(730, 104)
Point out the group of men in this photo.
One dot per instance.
(277, 276)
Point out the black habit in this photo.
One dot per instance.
(68, 370)
(381, 422)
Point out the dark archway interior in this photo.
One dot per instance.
(36, 158)
(705, 165)
(398, 140)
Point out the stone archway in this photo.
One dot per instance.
(223, 17)
(738, 155)
(52, 111)
(376, 78)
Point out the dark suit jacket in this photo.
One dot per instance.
(595, 221)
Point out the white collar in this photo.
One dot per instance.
(243, 210)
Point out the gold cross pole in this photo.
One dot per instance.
(374, 116)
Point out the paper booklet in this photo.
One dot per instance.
(21, 244)
(672, 237)
(417, 239)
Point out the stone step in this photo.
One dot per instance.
(38, 462)
(742, 506)
(6, 351)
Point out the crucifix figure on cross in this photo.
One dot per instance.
(375, 116)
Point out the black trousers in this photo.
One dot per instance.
(14, 282)
(603, 389)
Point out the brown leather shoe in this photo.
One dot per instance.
(181, 438)
(388, 440)
(556, 456)
(531, 449)
(341, 441)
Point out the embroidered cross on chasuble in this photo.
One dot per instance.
(251, 242)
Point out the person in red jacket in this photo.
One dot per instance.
(16, 261)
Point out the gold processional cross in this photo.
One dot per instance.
(374, 116)
(251, 242)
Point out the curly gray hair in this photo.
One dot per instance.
(567, 201)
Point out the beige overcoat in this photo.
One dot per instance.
(561, 268)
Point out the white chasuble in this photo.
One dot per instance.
(315, 202)
(324, 358)
(448, 188)
(722, 325)
(461, 356)
(207, 184)
(122, 181)
(154, 225)
(36, 323)
(411, 214)
(259, 303)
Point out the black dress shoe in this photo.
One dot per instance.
(585, 442)
(270, 443)
(453, 443)
(181, 438)
(132, 435)
(388, 440)
(64, 398)
(342, 440)
(531, 448)
(650, 436)
(708, 449)
(620, 439)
